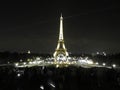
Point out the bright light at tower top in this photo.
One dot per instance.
(61, 28)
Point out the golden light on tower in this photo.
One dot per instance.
(61, 54)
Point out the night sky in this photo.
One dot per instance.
(89, 26)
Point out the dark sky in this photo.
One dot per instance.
(89, 26)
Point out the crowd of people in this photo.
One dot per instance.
(61, 78)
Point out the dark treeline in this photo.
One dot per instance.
(108, 59)
(7, 56)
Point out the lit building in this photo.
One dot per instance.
(61, 53)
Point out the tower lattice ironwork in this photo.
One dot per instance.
(61, 54)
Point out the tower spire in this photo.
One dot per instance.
(61, 14)
(61, 28)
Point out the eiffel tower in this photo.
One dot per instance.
(61, 54)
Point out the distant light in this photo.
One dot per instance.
(57, 66)
(114, 65)
(8, 62)
(69, 63)
(24, 63)
(38, 58)
(97, 53)
(18, 74)
(21, 60)
(42, 87)
(16, 64)
(28, 52)
(104, 64)
(30, 62)
(69, 57)
(89, 61)
(96, 63)
(84, 61)
(34, 62)
(48, 62)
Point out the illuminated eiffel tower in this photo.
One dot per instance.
(61, 54)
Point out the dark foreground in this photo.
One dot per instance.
(51, 78)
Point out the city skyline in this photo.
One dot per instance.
(88, 26)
